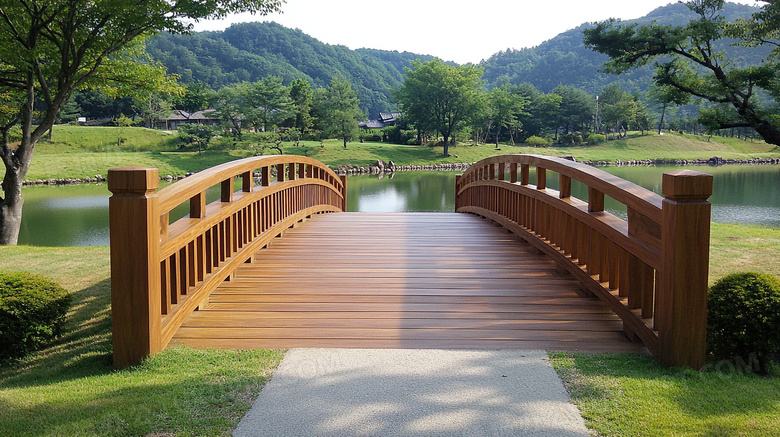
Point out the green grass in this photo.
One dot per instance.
(632, 395)
(76, 152)
(738, 248)
(71, 389)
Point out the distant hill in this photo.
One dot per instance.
(251, 51)
(564, 60)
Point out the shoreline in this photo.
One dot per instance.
(390, 167)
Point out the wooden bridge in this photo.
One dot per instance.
(281, 265)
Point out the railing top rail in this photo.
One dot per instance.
(623, 191)
(173, 195)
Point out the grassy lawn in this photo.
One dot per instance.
(76, 152)
(70, 389)
(631, 395)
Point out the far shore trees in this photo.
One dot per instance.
(338, 111)
(437, 97)
(48, 49)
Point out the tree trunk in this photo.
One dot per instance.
(661, 123)
(11, 209)
(446, 145)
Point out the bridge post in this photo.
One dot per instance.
(344, 191)
(134, 220)
(681, 303)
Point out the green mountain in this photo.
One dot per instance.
(251, 51)
(564, 60)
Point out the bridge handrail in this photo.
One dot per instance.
(651, 269)
(162, 271)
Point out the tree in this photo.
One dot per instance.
(153, 107)
(197, 134)
(302, 98)
(49, 48)
(230, 106)
(576, 110)
(338, 110)
(437, 97)
(197, 97)
(268, 102)
(687, 59)
(505, 107)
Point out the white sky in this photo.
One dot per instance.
(452, 30)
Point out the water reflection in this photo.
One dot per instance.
(78, 215)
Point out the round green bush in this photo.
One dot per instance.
(595, 139)
(743, 318)
(32, 312)
(537, 141)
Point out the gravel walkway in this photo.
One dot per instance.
(407, 392)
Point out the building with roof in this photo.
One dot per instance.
(385, 119)
(179, 117)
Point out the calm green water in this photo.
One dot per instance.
(78, 215)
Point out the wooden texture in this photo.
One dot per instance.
(650, 269)
(417, 280)
(163, 271)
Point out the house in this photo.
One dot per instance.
(385, 119)
(179, 117)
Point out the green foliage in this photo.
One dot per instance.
(743, 318)
(537, 141)
(198, 135)
(32, 313)
(338, 110)
(437, 97)
(688, 58)
(594, 139)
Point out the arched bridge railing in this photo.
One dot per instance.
(651, 269)
(162, 271)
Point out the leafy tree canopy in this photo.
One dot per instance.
(437, 97)
(49, 48)
(686, 59)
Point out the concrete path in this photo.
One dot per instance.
(407, 392)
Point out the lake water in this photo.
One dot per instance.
(78, 215)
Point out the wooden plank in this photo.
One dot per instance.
(402, 280)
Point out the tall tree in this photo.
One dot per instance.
(268, 102)
(686, 59)
(302, 99)
(338, 110)
(230, 107)
(437, 97)
(505, 108)
(49, 48)
(152, 107)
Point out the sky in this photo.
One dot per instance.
(451, 30)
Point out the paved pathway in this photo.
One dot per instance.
(394, 392)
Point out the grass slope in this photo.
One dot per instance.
(76, 152)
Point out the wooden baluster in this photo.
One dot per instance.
(198, 206)
(501, 169)
(135, 264)
(491, 172)
(541, 178)
(681, 304)
(246, 182)
(291, 170)
(525, 174)
(226, 190)
(595, 200)
(513, 172)
(565, 186)
(265, 176)
(280, 172)
(344, 193)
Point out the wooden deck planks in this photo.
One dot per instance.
(411, 280)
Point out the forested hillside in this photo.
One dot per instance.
(251, 51)
(564, 60)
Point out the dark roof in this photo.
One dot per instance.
(179, 115)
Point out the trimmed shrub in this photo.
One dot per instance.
(32, 312)
(743, 319)
(537, 141)
(594, 139)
